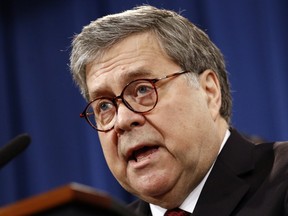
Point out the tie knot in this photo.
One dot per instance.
(176, 212)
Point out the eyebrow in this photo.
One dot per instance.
(103, 91)
(136, 74)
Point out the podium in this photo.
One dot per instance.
(72, 199)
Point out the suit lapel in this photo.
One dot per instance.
(224, 188)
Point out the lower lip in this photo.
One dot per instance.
(144, 161)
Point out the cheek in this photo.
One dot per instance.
(178, 117)
(109, 147)
(183, 125)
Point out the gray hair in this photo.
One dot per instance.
(183, 42)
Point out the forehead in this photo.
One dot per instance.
(136, 56)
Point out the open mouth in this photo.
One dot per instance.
(142, 153)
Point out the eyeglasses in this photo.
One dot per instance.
(139, 96)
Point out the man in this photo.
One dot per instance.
(159, 98)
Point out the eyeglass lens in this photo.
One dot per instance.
(139, 96)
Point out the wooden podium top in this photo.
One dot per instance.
(71, 194)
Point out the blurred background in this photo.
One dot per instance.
(38, 96)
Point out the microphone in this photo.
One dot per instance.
(13, 148)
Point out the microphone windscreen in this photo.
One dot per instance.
(13, 148)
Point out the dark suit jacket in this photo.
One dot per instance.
(247, 180)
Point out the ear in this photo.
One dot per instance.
(212, 90)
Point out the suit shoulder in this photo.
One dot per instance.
(281, 156)
(276, 152)
(282, 146)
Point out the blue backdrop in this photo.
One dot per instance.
(38, 96)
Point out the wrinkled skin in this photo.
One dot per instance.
(181, 135)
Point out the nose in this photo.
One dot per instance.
(127, 119)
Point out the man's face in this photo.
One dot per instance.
(162, 155)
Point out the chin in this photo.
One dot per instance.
(165, 192)
(152, 192)
(166, 200)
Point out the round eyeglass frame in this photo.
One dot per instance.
(114, 100)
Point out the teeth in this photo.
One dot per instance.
(143, 153)
(138, 159)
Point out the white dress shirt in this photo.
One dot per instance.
(190, 202)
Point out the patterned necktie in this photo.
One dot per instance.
(176, 212)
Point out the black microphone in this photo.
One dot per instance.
(13, 148)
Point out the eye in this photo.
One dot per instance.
(143, 89)
(103, 106)
(101, 112)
